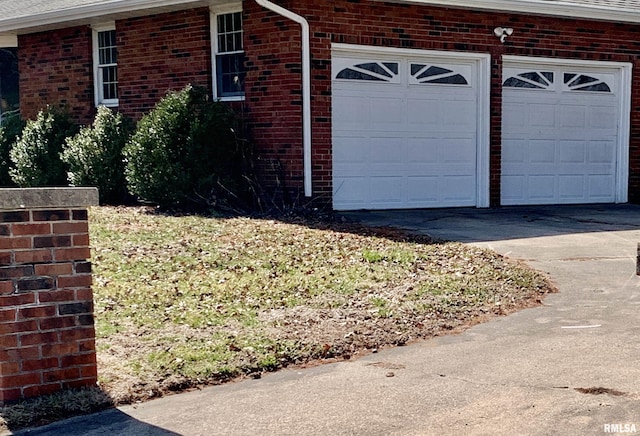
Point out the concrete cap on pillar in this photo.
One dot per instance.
(47, 198)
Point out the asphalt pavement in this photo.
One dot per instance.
(570, 366)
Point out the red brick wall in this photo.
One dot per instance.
(272, 45)
(167, 51)
(56, 68)
(156, 54)
(47, 337)
(160, 53)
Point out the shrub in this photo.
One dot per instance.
(184, 153)
(11, 127)
(36, 154)
(94, 156)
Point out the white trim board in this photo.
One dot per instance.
(88, 13)
(539, 7)
(8, 41)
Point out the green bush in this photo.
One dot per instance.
(11, 127)
(184, 153)
(36, 154)
(94, 156)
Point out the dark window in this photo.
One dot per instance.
(531, 80)
(9, 95)
(107, 67)
(370, 71)
(436, 75)
(230, 55)
(581, 82)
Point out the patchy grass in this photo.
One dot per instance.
(183, 301)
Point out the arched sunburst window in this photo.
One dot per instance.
(530, 80)
(432, 74)
(370, 71)
(582, 82)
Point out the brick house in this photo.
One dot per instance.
(399, 104)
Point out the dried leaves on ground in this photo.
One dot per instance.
(185, 301)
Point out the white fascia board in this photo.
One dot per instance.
(88, 12)
(538, 7)
(8, 40)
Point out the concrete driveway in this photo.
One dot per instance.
(571, 366)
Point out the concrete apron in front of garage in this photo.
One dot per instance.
(513, 375)
(520, 373)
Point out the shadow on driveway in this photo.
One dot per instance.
(520, 222)
(110, 422)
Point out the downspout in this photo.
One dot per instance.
(306, 88)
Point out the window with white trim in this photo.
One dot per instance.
(105, 61)
(228, 56)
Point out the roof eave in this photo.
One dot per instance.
(108, 9)
(537, 7)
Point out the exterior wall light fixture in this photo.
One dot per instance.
(503, 32)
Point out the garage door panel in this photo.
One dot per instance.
(513, 188)
(541, 115)
(513, 151)
(387, 191)
(352, 191)
(458, 189)
(562, 145)
(350, 149)
(458, 150)
(422, 189)
(387, 150)
(458, 113)
(541, 152)
(571, 187)
(514, 115)
(572, 116)
(601, 152)
(453, 171)
(423, 150)
(423, 112)
(353, 111)
(541, 187)
(602, 117)
(601, 186)
(414, 144)
(386, 111)
(572, 152)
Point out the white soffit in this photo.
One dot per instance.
(585, 9)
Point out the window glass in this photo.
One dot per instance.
(107, 68)
(230, 55)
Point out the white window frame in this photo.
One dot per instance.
(215, 12)
(97, 77)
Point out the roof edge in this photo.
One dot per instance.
(114, 7)
(556, 8)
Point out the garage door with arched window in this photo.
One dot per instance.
(407, 130)
(563, 132)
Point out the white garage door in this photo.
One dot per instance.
(560, 134)
(405, 131)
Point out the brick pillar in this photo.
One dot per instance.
(47, 337)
